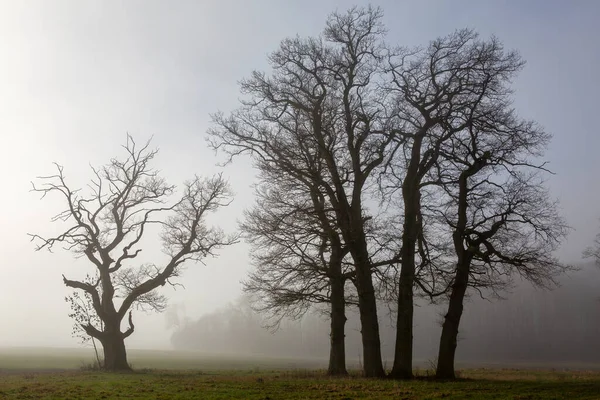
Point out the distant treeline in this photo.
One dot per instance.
(530, 326)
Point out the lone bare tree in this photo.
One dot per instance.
(106, 226)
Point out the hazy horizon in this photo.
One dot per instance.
(77, 76)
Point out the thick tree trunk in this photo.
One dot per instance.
(403, 353)
(411, 195)
(402, 368)
(115, 355)
(448, 340)
(337, 352)
(367, 305)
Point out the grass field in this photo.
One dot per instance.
(54, 374)
(476, 384)
(65, 358)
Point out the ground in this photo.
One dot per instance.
(30, 375)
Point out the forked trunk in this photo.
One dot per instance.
(448, 340)
(337, 351)
(115, 355)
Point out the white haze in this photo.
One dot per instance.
(75, 76)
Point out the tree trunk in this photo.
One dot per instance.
(402, 368)
(367, 305)
(337, 352)
(115, 355)
(403, 353)
(448, 340)
(411, 195)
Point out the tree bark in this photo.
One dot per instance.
(337, 351)
(373, 366)
(448, 340)
(115, 355)
(403, 354)
(402, 368)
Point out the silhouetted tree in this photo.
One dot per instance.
(500, 228)
(106, 226)
(439, 93)
(324, 92)
(501, 219)
(593, 251)
(298, 255)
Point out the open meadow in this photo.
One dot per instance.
(61, 374)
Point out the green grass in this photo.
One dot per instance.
(476, 384)
(54, 374)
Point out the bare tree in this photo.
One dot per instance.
(298, 255)
(323, 93)
(502, 221)
(593, 251)
(500, 228)
(106, 226)
(437, 93)
(511, 229)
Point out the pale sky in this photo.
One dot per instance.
(75, 76)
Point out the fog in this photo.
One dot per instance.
(530, 327)
(77, 76)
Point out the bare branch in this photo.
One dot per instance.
(107, 224)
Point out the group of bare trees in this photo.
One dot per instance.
(389, 173)
(385, 173)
